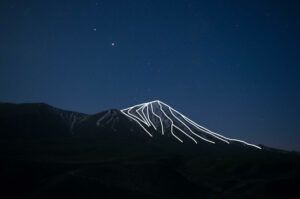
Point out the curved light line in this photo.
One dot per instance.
(193, 123)
(236, 140)
(175, 135)
(213, 133)
(204, 129)
(138, 123)
(191, 129)
(230, 139)
(209, 131)
(184, 133)
(129, 109)
(161, 123)
(135, 115)
(171, 122)
(145, 118)
(149, 117)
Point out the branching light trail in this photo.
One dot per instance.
(172, 123)
(162, 127)
(145, 114)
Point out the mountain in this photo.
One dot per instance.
(154, 118)
(148, 150)
(160, 117)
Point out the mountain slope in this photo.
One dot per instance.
(160, 117)
(34, 120)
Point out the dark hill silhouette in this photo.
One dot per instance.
(47, 152)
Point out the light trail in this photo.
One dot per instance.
(142, 115)
(211, 132)
(145, 118)
(150, 119)
(141, 120)
(190, 129)
(142, 110)
(128, 114)
(172, 124)
(161, 123)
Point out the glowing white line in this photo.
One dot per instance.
(128, 111)
(149, 117)
(175, 135)
(204, 130)
(173, 125)
(161, 123)
(138, 123)
(144, 118)
(195, 124)
(135, 115)
(147, 121)
(236, 140)
(146, 105)
(190, 129)
(132, 115)
(230, 139)
(184, 133)
(209, 131)
(171, 122)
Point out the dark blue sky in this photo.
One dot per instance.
(232, 66)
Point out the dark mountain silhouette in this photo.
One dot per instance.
(47, 152)
(36, 120)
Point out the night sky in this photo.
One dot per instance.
(232, 66)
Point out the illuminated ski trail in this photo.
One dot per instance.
(133, 117)
(162, 127)
(141, 114)
(172, 124)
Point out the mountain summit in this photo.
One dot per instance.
(158, 117)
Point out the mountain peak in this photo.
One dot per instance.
(158, 117)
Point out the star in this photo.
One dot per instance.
(94, 29)
(113, 44)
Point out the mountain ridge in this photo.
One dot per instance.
(163, 118)
(158, 109)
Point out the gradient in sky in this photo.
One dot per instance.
(232, 66)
